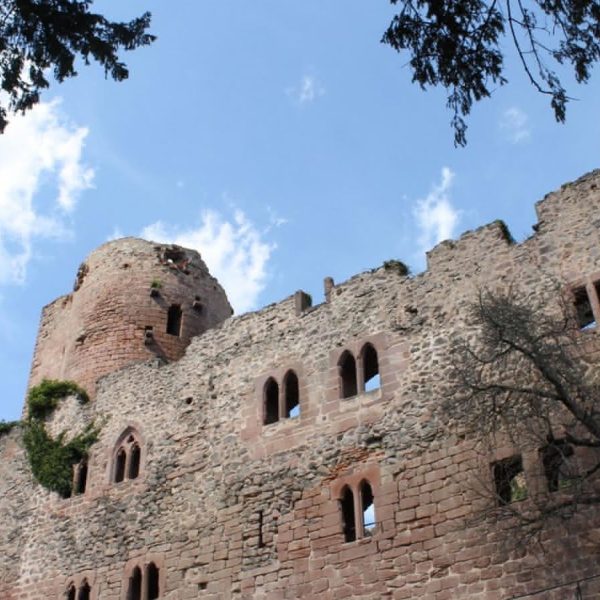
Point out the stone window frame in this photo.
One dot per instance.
(77, 582)
(142, 563)
(279, 376)
(353, 481)
(356, 349)
(129, 430)
(591, 285)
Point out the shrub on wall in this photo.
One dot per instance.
(52, 460)
(44, 398)
(7, 426)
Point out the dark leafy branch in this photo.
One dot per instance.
(43, 38)
(458, 45)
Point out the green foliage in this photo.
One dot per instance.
(7, 426)
(398, 266)
(156, 284)
(51, 459)
(518, 488)
(43, 398)
(39, 37)
(460, 46)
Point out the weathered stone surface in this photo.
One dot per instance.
(229, 508)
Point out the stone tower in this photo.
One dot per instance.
(132, 300)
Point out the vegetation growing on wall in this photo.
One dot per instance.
(7, 426)
(398, 266)
(44, 398)
(52, 460)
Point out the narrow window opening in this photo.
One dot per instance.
(583, 309)
(134, 591)
(368, 507)
(134, 461)
(81, 478)
(71, 592)
(271, 402)
(509, 480)
(347, 369)
(84, 591)
(261, 541)
(152, 579)
(556, 464)
(120, 465)
(371, 368)
(174, 320)
(348, 521)
(292, 395)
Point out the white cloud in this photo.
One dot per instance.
(435, 216)
(514, 124)
(307, 91)
(274, 219)
(234, 252)
(41, 178)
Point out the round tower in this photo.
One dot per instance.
(132, 300)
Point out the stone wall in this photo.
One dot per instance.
(229, 508)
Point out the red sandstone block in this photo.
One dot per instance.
(408, 503)
(354, 551)
(421, 534)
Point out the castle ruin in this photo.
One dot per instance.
(292, 452)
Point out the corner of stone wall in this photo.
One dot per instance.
(492, 238)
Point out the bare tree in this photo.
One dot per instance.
(526, 376)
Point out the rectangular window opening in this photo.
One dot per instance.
(557, 467)
(174, 320)
(583, 309)
(509, 480)
(261, 541)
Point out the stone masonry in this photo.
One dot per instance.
(227, 507)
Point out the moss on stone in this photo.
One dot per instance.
(398, 266)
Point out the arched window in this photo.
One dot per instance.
(370, 367)
(128, 457)
(134, 461)
(367, 507)
(174, 320)
(120, 461)
(271, 402)
(144, 583)
(348, 517)
(84, 591)
(152, 582)
(347, 374)
(81, 472)
(292, 395)
(71, 592)
(134, 590)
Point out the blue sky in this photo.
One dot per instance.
(280, 139)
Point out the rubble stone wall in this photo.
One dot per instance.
(229, 508)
